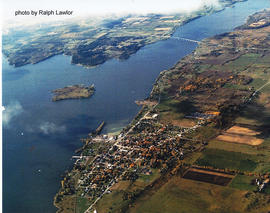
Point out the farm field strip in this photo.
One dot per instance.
(208, 176)
(242, 135)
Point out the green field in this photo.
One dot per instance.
(243, 182)
(222, 159)
(82, 204)
(173, 106)
(112, 202)
(187, 196)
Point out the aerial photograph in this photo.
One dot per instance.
(135, 106)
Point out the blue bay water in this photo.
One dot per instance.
(41, 135)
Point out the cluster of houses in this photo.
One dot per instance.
(149, 145)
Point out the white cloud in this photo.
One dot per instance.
(51, 128)
(11, 111)
(102, 7)
(150, 6)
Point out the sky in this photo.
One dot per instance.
(97, 7)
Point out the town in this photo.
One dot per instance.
(147, 145)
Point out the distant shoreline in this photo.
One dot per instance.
(95, 53)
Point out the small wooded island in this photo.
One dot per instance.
(73, 92)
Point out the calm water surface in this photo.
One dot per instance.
(40, 136)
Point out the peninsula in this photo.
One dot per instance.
(73, 92)
(200, 142)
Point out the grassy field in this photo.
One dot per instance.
(243, 182)
(174, 112)
(112, 202)
(187, 196)
(203, 133)
(260, 153)
(82, 204)
(222, 159)
(169, 105)
(239, 64)
(267, 191)
(243, 120)
(232, 147)
(192, 158)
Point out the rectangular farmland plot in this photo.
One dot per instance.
(208, 177)
(221, 159)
